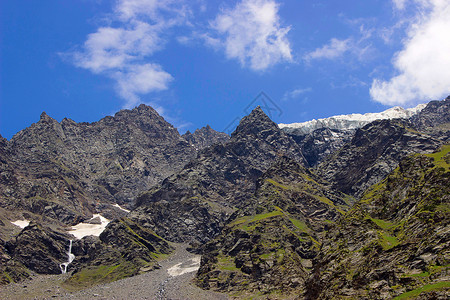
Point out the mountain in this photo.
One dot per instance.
(193, 204)
(394, 241)
(272, 214)
(351, 121)
(204, 137)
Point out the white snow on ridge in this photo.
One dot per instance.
(84, 229)
(351, 121)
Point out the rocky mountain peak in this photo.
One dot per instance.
(253, 124)
(140, 112)
(44, 116)
(46, 119)
(205, 137)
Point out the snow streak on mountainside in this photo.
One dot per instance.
(351, 121)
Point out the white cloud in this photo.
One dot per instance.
(111, 48)
(335, 48)
(296, 93)
(251, 33)
(358, 46)
(123, 52)
(141, 79)
(399, 4)
(423, 65)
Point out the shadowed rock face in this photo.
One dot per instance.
(204, 137)
(194, 203)
(10, 270)
(321, 143)
(374, 151)
(65, 171)
(40, 249)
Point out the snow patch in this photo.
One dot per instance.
(191, 265)
(21, 223)
(351, 121)
(84, 229)
(121, 208)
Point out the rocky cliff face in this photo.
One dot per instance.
(204, 137)
(394, 241)
(374, 151)
(10, 270)
(194, 203)
(434, 119)
(66, 171)
(321, 143)
(267, 246)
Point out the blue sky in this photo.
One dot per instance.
(203, 62)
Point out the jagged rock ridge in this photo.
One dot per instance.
(67, 171)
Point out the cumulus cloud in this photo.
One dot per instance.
(423, 65)
(251, 33)
(123, 52)
(140, 79)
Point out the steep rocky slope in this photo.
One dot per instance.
(394, 241)
(267, 247)
(374, 151)
(66, 171)
(204, 137)
(194, 203)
